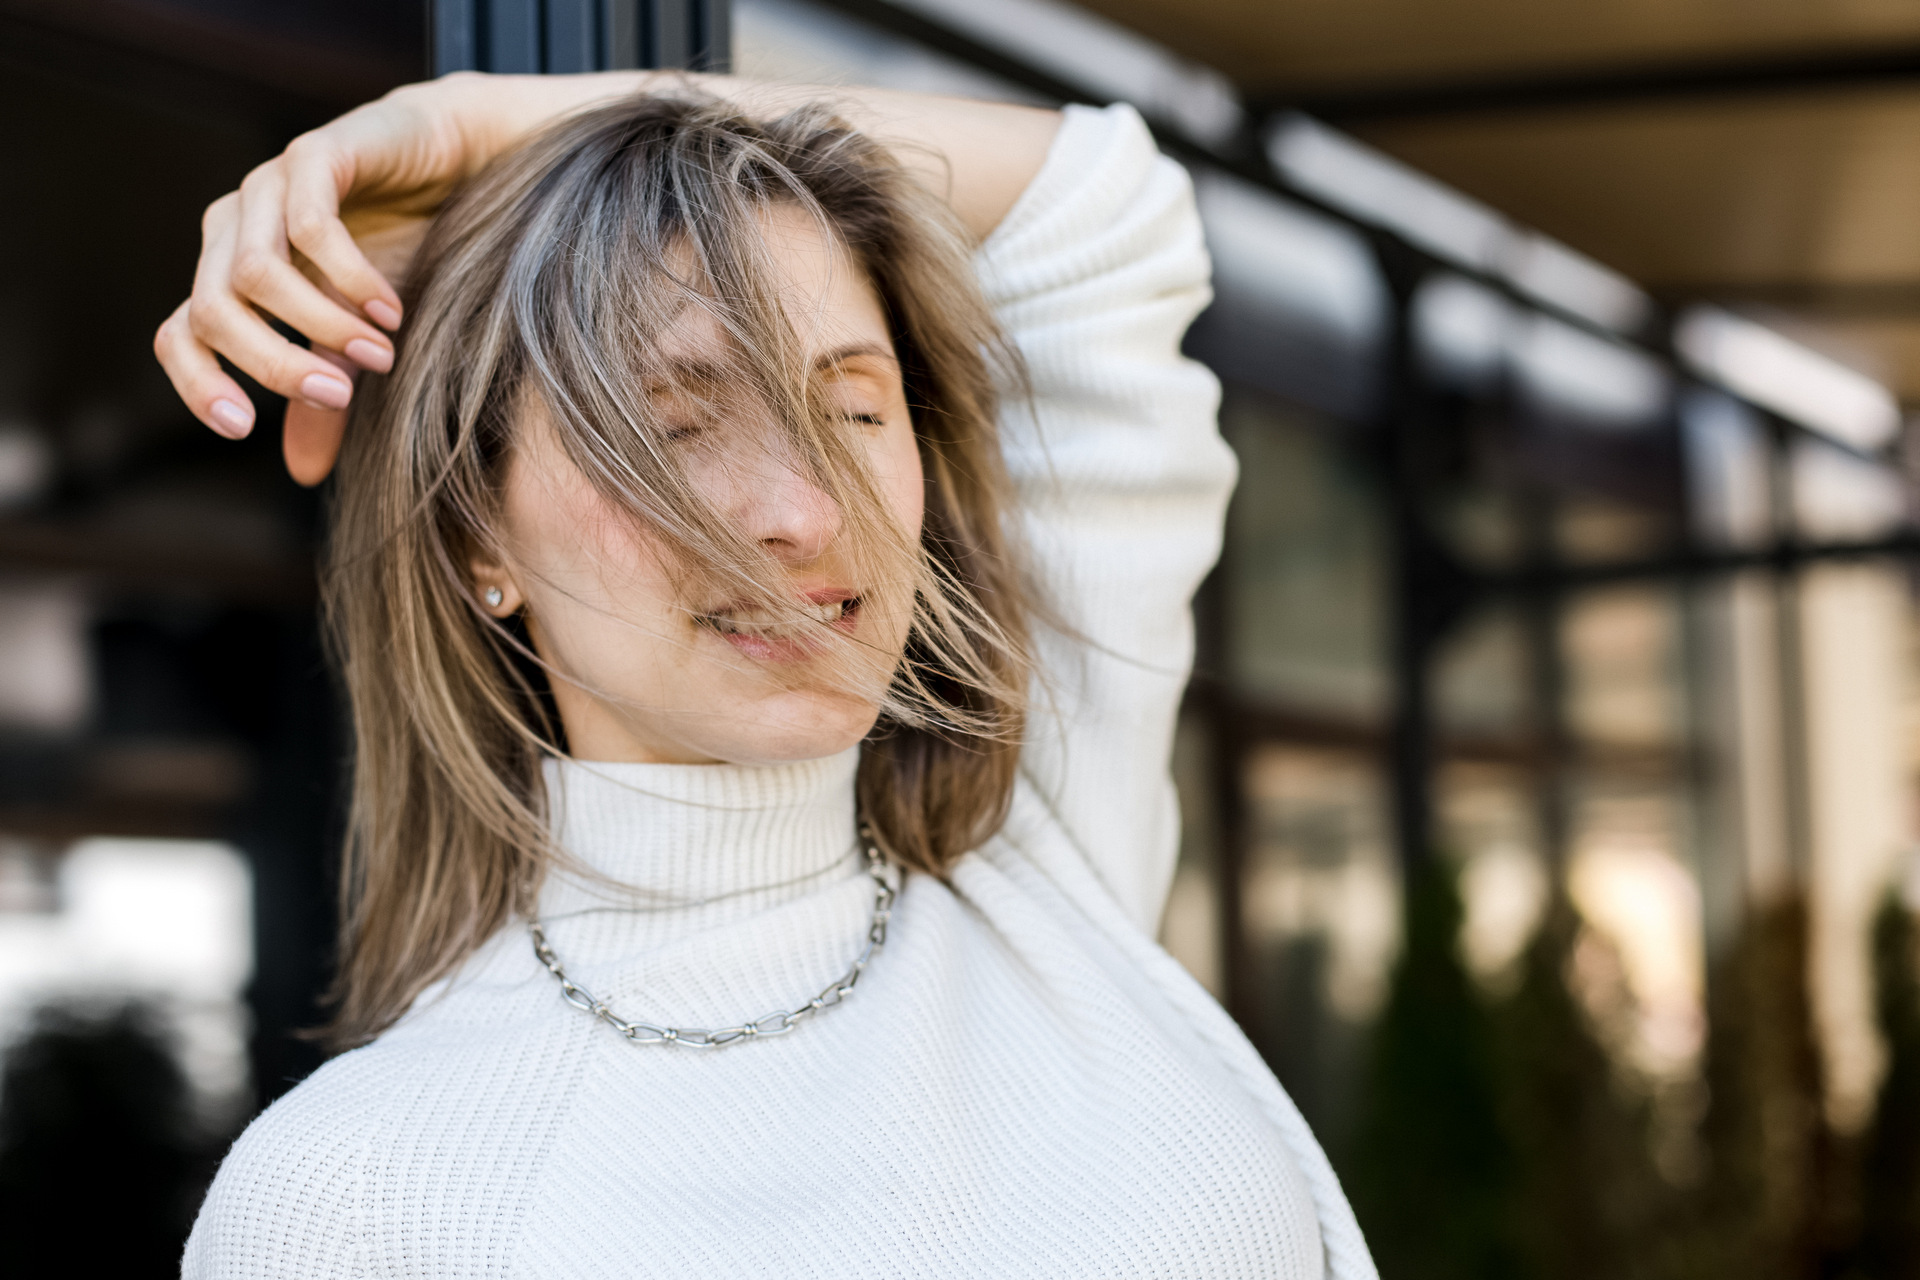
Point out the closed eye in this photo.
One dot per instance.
(867, 419)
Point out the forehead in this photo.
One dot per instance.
(826, 294)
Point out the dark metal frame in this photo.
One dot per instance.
(557, 36)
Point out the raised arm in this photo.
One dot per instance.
(1123, 481)
(316, 236)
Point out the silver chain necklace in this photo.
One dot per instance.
(772, 1024)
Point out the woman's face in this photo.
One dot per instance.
(648, 668)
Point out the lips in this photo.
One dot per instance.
(768, 637)
(762, 621)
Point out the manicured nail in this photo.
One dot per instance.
(230, 419)
(324, 392)
(384, 314)
(370, 355)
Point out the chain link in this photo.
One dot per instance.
(772, 1024)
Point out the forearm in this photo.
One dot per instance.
(978, 156)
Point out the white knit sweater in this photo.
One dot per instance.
(1024, 1084)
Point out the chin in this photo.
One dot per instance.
(800, 727)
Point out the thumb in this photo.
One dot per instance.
(310, 438)
(310, 441)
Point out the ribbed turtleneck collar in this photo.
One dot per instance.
(681, 835)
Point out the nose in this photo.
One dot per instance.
(783, 507)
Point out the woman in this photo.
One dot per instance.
(677, 581)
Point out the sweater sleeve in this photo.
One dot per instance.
(1122, 478)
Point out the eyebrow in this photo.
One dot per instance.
(697, 370)
(826, 360)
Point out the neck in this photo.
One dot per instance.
(661, 836)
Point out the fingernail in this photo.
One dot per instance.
(370, 355)
(324, 392)
(384, 314)
(230, 419)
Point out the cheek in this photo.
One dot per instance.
(580, 558)
(903, 480)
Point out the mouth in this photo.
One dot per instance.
(767, 637)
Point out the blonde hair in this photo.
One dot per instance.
(549, 281)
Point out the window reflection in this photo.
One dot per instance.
(1489, 825)
(1622, 651)
(1730, 489)
(1482, 678)
(1320, 899)
(1644, 987)
(1305, 572)
(1300, 309)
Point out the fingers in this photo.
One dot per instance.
(209, 393)
(262, 273)
(315, 173)
(310, 440)
(219, 319)
(278, 249)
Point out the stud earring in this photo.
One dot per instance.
(493, 597)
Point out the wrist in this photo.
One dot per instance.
(523, 104)
(492, 113)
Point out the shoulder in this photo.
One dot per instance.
(419, 1149)
(286, 1200)
(389, 1151)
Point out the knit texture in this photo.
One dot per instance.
(1023, 1084)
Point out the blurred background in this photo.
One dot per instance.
(1550, 772)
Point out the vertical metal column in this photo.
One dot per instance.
(1431, 589)
(1790, 648)
(558, 36)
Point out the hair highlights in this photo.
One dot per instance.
(541, 294)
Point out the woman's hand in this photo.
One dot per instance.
(315, 237)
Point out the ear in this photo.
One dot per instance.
(490, 576)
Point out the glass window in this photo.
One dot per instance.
(1305, 567)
